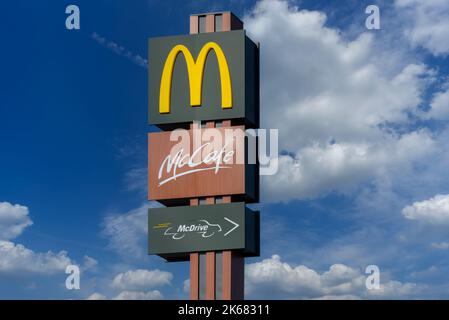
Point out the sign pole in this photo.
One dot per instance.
(232, 268)
(206, 223)
(232, 265)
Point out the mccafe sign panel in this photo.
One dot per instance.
(203, 77)
(200, 162)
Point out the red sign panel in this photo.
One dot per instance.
(197, 163)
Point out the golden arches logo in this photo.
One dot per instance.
(195, 71)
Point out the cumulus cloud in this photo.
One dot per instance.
(127, 232)
(141, 278)
(333, 102)
(316, 169)
(341, 297)
(138, 295)
(129, 295)
(13, 220)
(186, 286)
(427, 23)
(439, 107)
(272, 278)
(89, 263)
(135, 285)
(433, 211)
(96, 296)
(17, 258)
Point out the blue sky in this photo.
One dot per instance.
(363, 123)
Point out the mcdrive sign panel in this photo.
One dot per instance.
(203, 162)
(176, 231)
(203, 77)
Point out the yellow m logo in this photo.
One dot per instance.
(195, 71)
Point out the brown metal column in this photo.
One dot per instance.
(194, 276)
(194, 268)
(232, 265)
(210, 266)
(233, 276)
(194, 25)
(210, 256)
(210, 23)
(229, 22)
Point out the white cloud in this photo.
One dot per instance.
(127, 232)
(120, 50)
(272, 278)
(427, 23)
(89, 263)
(15, 258)
(13, 220)
(134, 285)
(333, 102)
(396, 290)
(186, 286)
(141, 278)
(317, 169)
(439, 107)
(340, 297)
(138, 295)
(96, 296)
(136, 179)
(440, 245)
(434, 210)
(18, 259)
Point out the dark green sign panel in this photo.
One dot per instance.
(176, 231)
(207, 76)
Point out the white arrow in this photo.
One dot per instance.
(236, 225)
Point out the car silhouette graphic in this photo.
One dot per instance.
(203, 227)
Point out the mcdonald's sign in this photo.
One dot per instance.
(203, 77)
